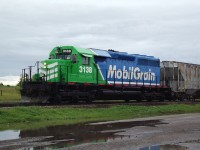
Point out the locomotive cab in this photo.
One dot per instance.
(54, 68)
(69, 64)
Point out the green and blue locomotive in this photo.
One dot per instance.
(73, 74)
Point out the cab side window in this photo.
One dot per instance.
(59, 56)
(85, 60)
(67, 57)
(74, 58)
(51, 56)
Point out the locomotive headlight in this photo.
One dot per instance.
(67, 51)
(45, 65)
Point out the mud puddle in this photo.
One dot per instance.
(164, 147)
(54, 137)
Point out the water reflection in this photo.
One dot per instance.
(69, 135)
(9, 134)
(164, 147)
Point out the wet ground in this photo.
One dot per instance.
(69, 135)
(177, 132)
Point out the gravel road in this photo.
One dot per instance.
(177, 132)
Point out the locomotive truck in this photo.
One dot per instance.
(73, 74)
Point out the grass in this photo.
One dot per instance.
(35, 117)
(9, 94)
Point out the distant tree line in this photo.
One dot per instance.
(1, 84)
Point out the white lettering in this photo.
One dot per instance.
(125, 73)
(137, 73)
(130, 74)
(111, 71)
(83, 69)
(119, 74)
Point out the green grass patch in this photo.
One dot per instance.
(9, 93)
(35, 117)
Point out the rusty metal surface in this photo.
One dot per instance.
(180, 76)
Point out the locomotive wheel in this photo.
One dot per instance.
(90, 99)
(149, 99)
(54, 100)
(127, 100)
(51, 100)
(58, 99)
(43, 98)
(74, 99)
(162, 98)
(140, 98)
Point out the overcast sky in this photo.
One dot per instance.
(29, 29)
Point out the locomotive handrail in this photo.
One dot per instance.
(138, 81)
(24, 75)
(67, 76)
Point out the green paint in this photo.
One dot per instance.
(77, 66)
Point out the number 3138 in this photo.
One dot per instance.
(84, 69)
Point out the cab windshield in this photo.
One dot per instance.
(63, 56)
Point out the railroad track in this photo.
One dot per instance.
(95, 104)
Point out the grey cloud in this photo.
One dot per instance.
(30, 29)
